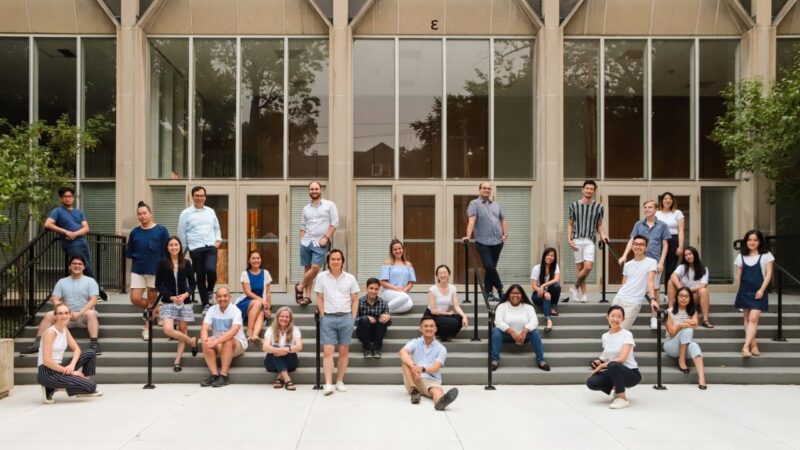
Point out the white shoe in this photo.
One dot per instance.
(97, 393)
(574, 294)
(327, 389)
(584, 298)
(145, 334)
(341, 387)
(653, 323)
(619, 403)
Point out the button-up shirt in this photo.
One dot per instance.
(488, 221)
(655, 234)
(426, 355)
(198, 227)
(336, 291)
(315, 221)
(375, 310)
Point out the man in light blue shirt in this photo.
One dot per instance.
(198, 230)
(318, 222)
(422, 361)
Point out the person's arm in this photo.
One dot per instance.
(651, 290)
(458, 310)
(601, 230)
(533, 322)
(691, 323)
(408, 361)
(89, 305)
(623, 355)
(570, 230)
(228, 335)
(181, 233)
(504, 224)
(664, 248)
(470, 227)
(204, 332)
(671, 328)
(296, 346)
(47, 352)
(248, 292)
(384, 316)
(321, 304)
(432, 303)
(675, 279)
(412, 278)
(679, 250)
(628, 248)
(217, 232)
(83, 230)
(554, 278)
(765, 283)
(500, 320)
(354, 304)
(334, 219)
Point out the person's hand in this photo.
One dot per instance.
(654, 304)
(660, 267)
(464, 322)
(504, 237)
(371, 319)
(523, 335)
(71, 235)
(465, 239)
(267, 314)
(621, 260)
(217, 243)
(384, 318)
(283, 351)
(600, 368)
(173, 298)
(209, 343)
(74, 316)
(679, 251)
(759, 294)
(572, 245)
(323, 241)
(547, 296)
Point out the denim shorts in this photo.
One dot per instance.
(313, 254)
(336, 330)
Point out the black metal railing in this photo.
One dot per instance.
(604, 246)
(317, 318)
(478, 287)
(108, 259)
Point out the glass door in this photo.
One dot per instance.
(420, 229)
(263, 229)
(458, 198)
(221, 200)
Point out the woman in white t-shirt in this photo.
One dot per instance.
(673, 218)
(681, 322)
(545, 286)
(753, 273)
(692, 274)
(282, 349)
(444, 307)
(616, 367)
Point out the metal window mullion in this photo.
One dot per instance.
(648, 108)
(444, 109)
(491, 109)
(285, 108)
(601, 93)
(191, 127)
(78, 114)
(696, 93)
(33, 93)
(238, 132)
(396, 108)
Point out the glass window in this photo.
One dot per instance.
(671, 109)
(419, 235)
(373, 108)
(214, 108)
(460, 260)
(786, 49)
(716, 233)
(624, 134)
(467, 109)
(581, 75)
(56, 82)
(514, 123)
(100, 99)
(14, 89)
(420, 67)
(261, 112)
(168, 202)
(308, 108)
(263, 231)
(717, 70)
(169, 113)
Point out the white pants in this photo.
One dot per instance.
(399, 302)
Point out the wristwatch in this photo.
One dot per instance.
(423, 369)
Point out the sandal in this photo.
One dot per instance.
(707, 324)
(290, 386)
(305, 301)
(548, 329)
(553, 312)
(278, 383)
(177, 367)
(298, 294)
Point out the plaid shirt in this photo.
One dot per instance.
(375, 310)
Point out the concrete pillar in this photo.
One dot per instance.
(550, 99)
(6, 367)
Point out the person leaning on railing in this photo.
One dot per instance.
(515, 321)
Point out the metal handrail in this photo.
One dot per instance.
(478, 281)
(605, 244)
(317, 385)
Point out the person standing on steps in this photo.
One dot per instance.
(584, 222)
(198, 228)
(146, 246)
(638, 283)
(318, 222)
(754, 268)
(487, 221)
(673, 217)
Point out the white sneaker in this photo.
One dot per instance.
(327, 389)
(584, 298)
(574, 294)
(145, 334)
(619, 403)
(653, 323)
(97, 393)
(341, 387)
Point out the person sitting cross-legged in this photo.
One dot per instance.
(422, 360)
(282, 343)
(515, 321)
(222, 338)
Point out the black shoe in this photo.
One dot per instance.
(544, 366)
(103, 295)
(209, 381)
(94, 345)
(495, 365)
(367, 354)
(446, 399)
(415, 396)
(196, 347)
(30, 350)
(222, 380)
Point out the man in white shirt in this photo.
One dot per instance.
(638, 282)
(337, 302)
(422, 361)
(199, 231)
(317, 224)
(222, 338)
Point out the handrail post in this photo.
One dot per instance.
(31, 286)
(148, 315)
(489, 386)
(475, 337)
(466, 272)
(779, 286)
(98, 267)
(603, 274)
(122, 263)
(660, 314)
(317, 386)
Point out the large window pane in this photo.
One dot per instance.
(263, 231)
(581, 75)
(169, 113)
(373, 108)
(419, 235)
(785, 51)
(100, 99)
(514, 126)
(467, 109)
(717, 69)
(624, 109)
(262, 108)
(14, 80)
(214, 108)
(716, 232)
(308, 108)
(420, 106)
(56, 82)
(671, 112)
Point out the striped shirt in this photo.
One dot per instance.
(584, 219)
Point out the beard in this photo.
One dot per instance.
(315, 195)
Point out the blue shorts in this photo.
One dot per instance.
(313, 254)
(336, 330)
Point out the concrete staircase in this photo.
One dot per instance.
(574, 341)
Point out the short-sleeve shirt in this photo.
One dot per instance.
(443, 302)
(146, 248)
(222, 321)
(70, 220)
(315, 221)
(766, 258)
(671, 219)
(336, 291)
(537, 270)
(612, 347)
(585, 218)
(655, 234)
(257, 287)
(687, 277)
(398, 276)
(678, 318)
(426, 355)
(488, 221)
(76, 292)
(269, 338)
(636, 279)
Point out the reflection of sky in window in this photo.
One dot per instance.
(465, 60)
(373, 92)
(420, 68)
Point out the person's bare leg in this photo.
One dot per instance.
(436, 393)
(254, 319)
(308, 279)
(583, 274)
(682, 356)
(184, 328)
(169, 330)
(327, 363)
(671, 292)
(92, 324)
(226, 356)
(341, 365)
(210, 355)
(701, 372)
(702, 293)
(752, 328)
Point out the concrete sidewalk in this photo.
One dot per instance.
(181, 416)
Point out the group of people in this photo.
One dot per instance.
(161, 275)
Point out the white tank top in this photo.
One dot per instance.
(59, 346)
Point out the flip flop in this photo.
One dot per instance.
(290, 386)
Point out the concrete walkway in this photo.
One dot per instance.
(380, 417)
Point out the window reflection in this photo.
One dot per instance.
(100, 98)
(56, 92)
(308, 108)
(514, 125)
(785, 51)
(14, 80)
(373, 108)
(419, 234)
(581, 61)
(671, 112)
(624, 108)
(215, 107)
(717, 69)
(169, 116)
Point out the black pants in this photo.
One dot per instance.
(671, 261)
(371, 334)
(446, 326)
(616, 376)
(51, 379)
(204, 260)
(490, 255)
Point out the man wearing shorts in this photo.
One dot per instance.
(317, 224)
(80, 293)
(422, 361)
(585, 219)
(638, 283)
(337, 302)
(223, 323)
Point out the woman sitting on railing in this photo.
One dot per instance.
(681, 322)
(691, 273)
(257, 299)
(281, 350)
(616, 367)
(753, 272)
(545, 286)
(397, 279)
(515, 321)
(444, 307)
(175, 284)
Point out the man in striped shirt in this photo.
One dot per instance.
(585, 220)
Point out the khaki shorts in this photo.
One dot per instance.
(422, 385)
(81, 322)
(631, 312)
(238, 350)
(139, 281)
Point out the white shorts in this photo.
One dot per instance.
(585, 251)
(139, 281)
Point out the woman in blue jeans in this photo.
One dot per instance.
(681, 322)
(545, 288)
(515, 321)
(282, 351)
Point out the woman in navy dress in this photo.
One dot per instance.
(753, 272)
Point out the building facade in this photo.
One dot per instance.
(400, 108)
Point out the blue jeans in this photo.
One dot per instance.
(204, 260)
(280, 364)
(500, 337)
(490, 255)
(547, 305)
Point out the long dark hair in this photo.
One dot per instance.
(762, 243)
(167, 261)
(551, 269)
(525, 298)
(661, 201)
(697, 265)
(690, 308)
